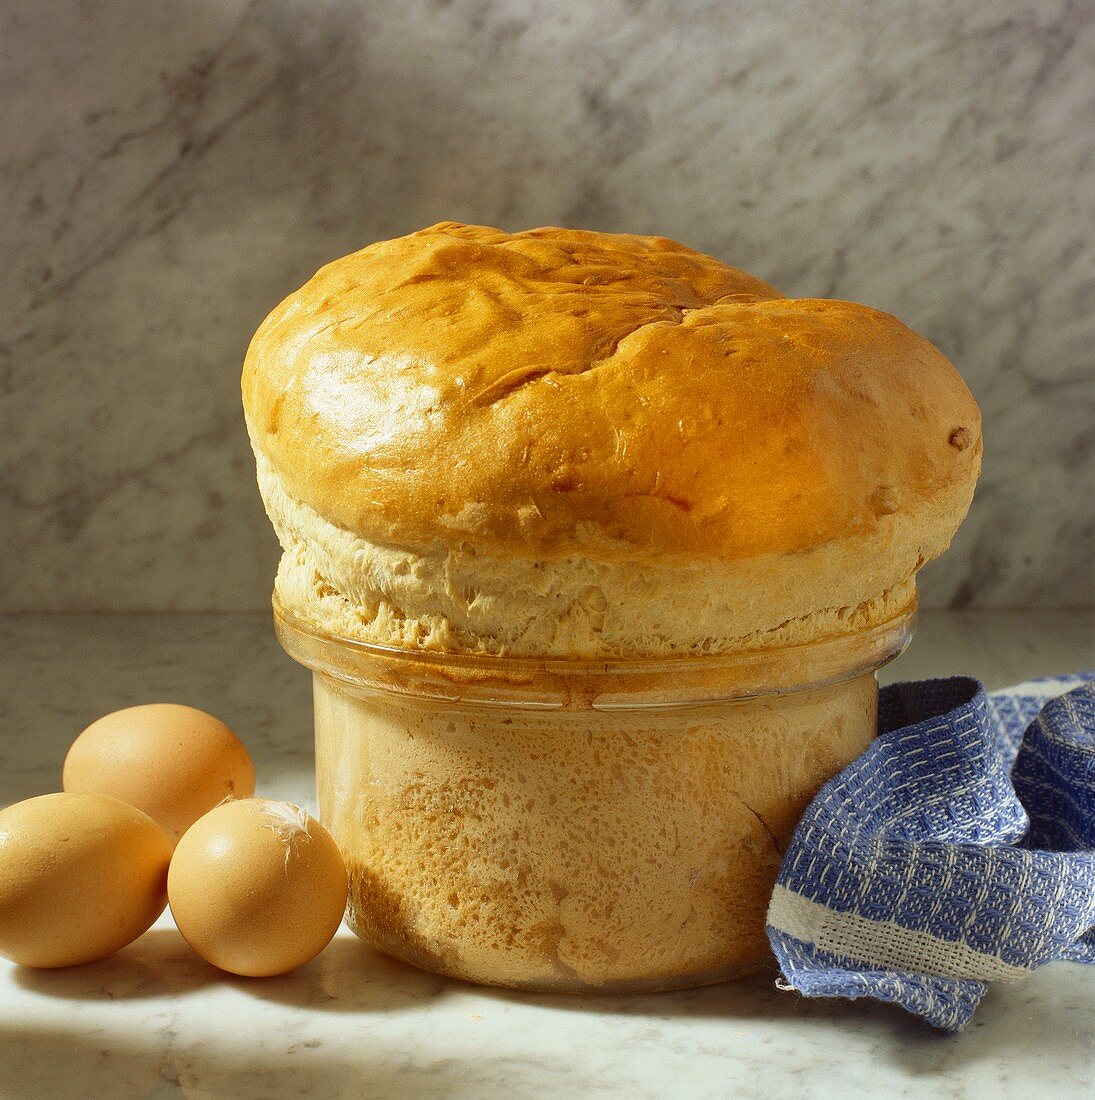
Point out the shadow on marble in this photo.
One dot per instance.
(1065, 1032)
(159, 964)
(348, 977)
(46, 1064)
(354, 1022)
(754, 996)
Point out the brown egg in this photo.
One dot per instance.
(81, 876)
(257, 887)
(174, 762)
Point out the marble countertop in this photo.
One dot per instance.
(155, 1021)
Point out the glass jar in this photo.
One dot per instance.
(578, 825)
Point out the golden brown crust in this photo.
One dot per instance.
(561, 392)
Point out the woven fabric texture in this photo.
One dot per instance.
(959, 849)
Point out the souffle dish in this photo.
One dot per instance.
(593, 545)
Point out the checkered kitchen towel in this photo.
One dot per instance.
(959, 849)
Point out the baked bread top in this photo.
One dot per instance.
(562, 396)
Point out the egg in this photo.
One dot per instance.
(173, 762)
(81, 875)
(257, 887)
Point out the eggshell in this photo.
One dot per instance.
(81, 875)
(257, 887)
(173, 762)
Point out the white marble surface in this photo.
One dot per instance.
(171, 169)
(153, 1021)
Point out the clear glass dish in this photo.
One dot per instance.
(577, 825)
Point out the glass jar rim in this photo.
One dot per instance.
(598, 683)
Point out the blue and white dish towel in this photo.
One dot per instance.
(958, 850)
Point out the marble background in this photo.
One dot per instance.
(169, 170)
